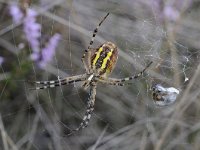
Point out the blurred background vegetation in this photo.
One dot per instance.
(165, 32)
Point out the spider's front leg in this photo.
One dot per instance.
(87, 52)
(85, 64)
(59, 82)
(120, 82)
(89, 110)
(109, 81)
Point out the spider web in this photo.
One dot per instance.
(124, 117)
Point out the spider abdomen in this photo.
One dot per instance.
(104, 59)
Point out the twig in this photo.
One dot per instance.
(99, 139)
(6, 139)
(177, 111)
(3, 134)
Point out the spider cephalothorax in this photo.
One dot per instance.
(98, 65)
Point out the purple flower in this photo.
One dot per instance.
(30, 26)
(49, 50)
(16, 13)
(171, 13)
(1, 60)
(35, 56)
(32, 30)
(170, 10)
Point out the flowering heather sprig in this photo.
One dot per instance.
(171, 13)
(48, 51)
(170, 10)
(16, 13)
(30, 26)
(32, 30)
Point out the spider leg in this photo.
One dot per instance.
(89, 110)
(59, 82)
(110, 82)
(88, 50)
(113, 81)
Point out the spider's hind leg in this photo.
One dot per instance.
(89, 110)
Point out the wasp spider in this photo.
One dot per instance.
(98, 63)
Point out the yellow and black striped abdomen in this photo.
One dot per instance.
(104, 59)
